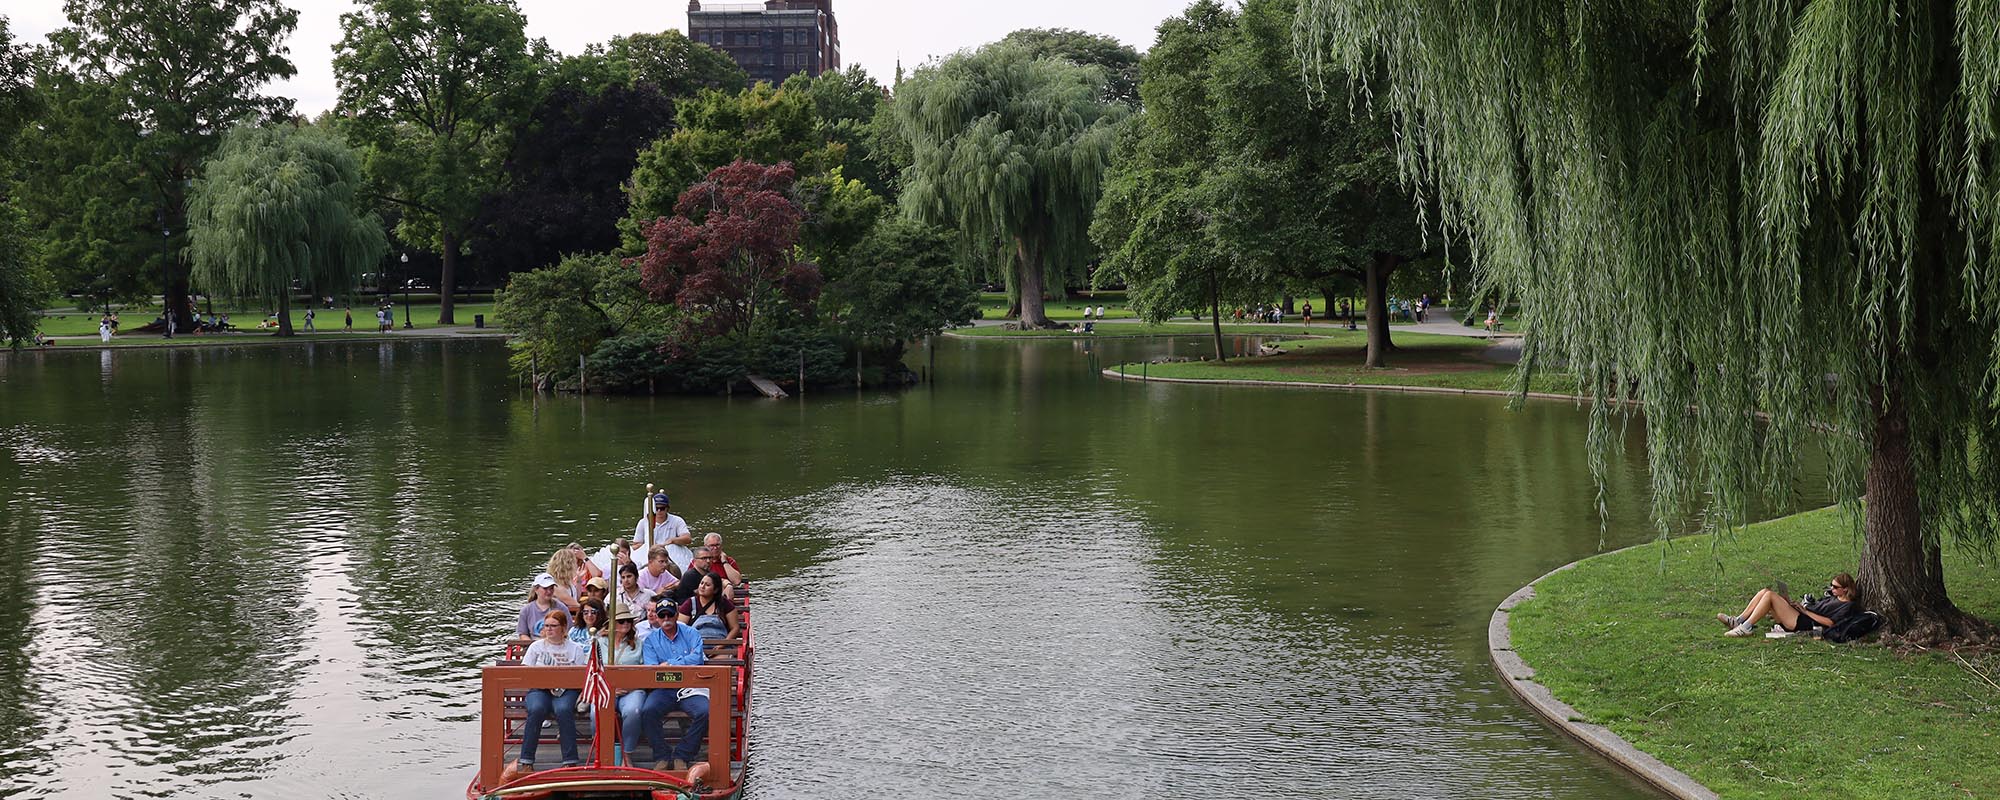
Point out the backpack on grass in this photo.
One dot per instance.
(1854, 627)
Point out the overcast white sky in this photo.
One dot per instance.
(873, 33)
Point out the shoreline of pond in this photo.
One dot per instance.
(1619, 651)
(267, 339)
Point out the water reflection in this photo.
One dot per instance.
(1020, 577)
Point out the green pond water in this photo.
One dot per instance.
(274, 572)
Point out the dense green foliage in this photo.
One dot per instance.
(1233, 189)
(1009, 151)
(1118, 60)
(435, 112)
(22, 282)
(280, 205)
(1156, 220)
(1630, 641)
(899, 284)
(140, 94)
(565, 310)
(1813, 179)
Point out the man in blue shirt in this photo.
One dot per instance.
(677, 644)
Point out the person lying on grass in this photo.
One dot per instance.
(1791, 614)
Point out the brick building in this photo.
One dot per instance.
(772, 40)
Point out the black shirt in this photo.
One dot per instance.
(690, 578)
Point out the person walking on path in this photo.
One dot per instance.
(349, 325)
(309, 320)
(1306, 314)
(104, 329)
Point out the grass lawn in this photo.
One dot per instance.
(423, 316)
(1166, 329)
(1630, 640)
(993, 305)
(1421, 360)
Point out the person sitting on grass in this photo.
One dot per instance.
(1791, 614)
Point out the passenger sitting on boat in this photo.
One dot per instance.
(590, 622)
(664, 528)
(725, 564)
(597, 589)
(710, 611)
(703, 564)
(584, 563)
(541, 600)
(659, 573)
(569, 585)
(624, 646)
(674, 644)
(553, 649)
(630, 593)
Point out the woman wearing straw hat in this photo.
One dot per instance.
(622, 647)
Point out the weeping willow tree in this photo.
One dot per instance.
(1009, 148)
(277, 205)
(1727, 211)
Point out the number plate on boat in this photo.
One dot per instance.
(666, 677)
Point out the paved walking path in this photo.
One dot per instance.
(254, 336)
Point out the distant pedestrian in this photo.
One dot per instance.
(309, 320)
(1347, 308)
(1100, 312)
(349, 325)
(1306, 315)
(104, 329)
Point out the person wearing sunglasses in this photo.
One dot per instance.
(1793, 615)
(622, 647)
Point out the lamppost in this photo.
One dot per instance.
(406, 292)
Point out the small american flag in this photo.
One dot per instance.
(596, 693)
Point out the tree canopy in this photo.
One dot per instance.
(1156, 220)
(22, 282)
(762, 124)
(1009, 150)
(1767, 211)
(173, 76)
(433, 89)
(728, 255)
(278, 205)
(1118, 60)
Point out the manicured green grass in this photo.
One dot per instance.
(422, 316)
(1420, 360)
(1630, 640)
(993, 305)
(1166, 329)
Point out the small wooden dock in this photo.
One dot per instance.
(766, 387)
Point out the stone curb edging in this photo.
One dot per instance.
(1520, 679)
(1360, 387)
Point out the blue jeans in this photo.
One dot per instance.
(631, 709)
(660, 703)
(541, 703)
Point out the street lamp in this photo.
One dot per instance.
(406, 291)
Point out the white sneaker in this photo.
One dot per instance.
(1777, 632)
(1740, 631)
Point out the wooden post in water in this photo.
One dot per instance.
(857, 367)
(802, 373)
(582, 379)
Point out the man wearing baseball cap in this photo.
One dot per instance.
(678, 644)
(666, 529)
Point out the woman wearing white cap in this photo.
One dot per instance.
(541, 598)
(663, 528)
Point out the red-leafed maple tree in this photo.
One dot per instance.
(729, 252)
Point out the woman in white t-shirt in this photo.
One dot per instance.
(553, 649)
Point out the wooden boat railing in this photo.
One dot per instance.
(727, 677)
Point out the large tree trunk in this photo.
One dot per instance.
(1028, 269)
(1901, 573)
(1285, 303)
(1215, 314)
(285, 311)
(1377, 281)
(446, 274)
